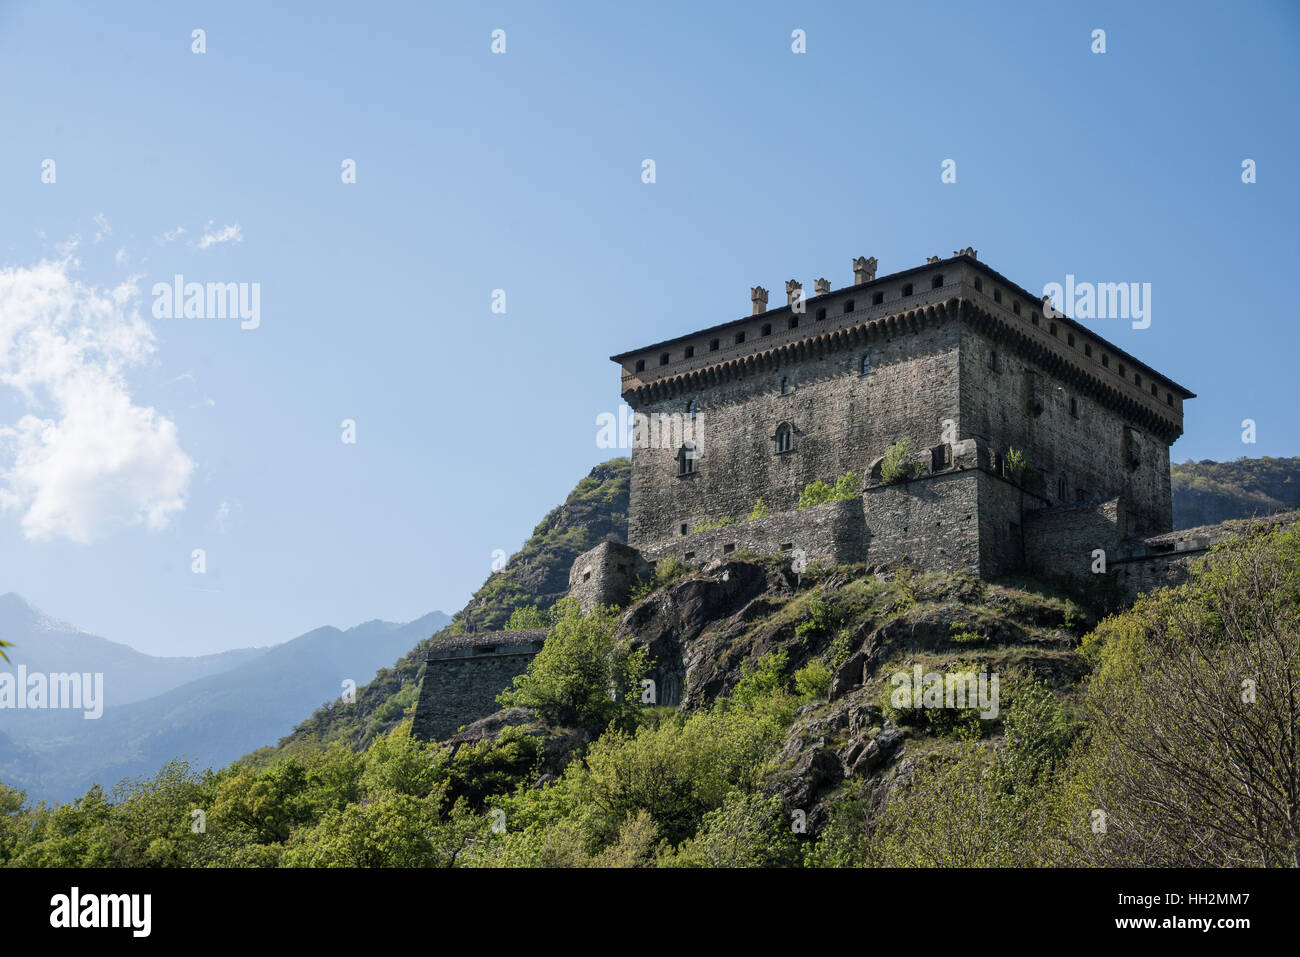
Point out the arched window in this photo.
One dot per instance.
(786, 387)
(784, 438)
(686, 459)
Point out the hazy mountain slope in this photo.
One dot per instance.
(537, 574)
(1208, 492)
(213, 720)
(47, 644)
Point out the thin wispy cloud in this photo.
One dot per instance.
(102, 227)
(213, 237)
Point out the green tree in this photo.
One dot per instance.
(583, 674)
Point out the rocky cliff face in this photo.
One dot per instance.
(706, 630)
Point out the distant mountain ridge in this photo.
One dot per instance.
(1208, 492)
(46, 644)
(210, 710)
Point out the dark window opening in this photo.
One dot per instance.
(1069, 340)
(997, 295)
(686, 460)
(1015, 307)
(690, 407)
(1087, 349)
(728, 548)
(690, 351)
(794, 322)
(1051, 327)
(821, 313)
(740, 337)
(1074, 407)
(907, 289)
(864, 367)
(785, 385)
(848, 307)
(937, 281)
(640, 365)
(784, 438)
(1034, 320)
(979, 284)
(1137, 380)
(1169, 398)
(767, 328)
(877, 299)
(714, 344)
(1121, 369)
(683, 528)
(663, 359)
(1105, 361)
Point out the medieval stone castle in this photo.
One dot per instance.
(949, 364)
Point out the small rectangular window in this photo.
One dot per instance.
(640, 365)
(714, 344)
(937, 281)
(907, 289)
(821, 314)
(740, 337)
(767, 328)
(663, 359)
(877, 298)
(794, 322)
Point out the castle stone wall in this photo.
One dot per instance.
(605, 575)
(1062, 540)
(842, 420)
(464, 674)
(931, 522)
(1087, 452)
(831, 533)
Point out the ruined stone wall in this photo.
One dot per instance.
(1090, 450)
(842, 420)
(605, 575)
(463, 675)
(830, 533)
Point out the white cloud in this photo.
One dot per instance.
(171, 235)
(122, 257)
(84, 459)
(225, 234)
(102, 227)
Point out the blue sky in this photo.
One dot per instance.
(522, 172)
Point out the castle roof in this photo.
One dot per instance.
(724, 357)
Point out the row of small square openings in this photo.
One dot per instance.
(846, 308)
(1087, 346)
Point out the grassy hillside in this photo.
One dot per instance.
(1206, 492)
(538, 574)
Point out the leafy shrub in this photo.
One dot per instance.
(812, 682)
(818, 493)
(897, 465)
(760, 511)
(709, 524)
(583, 674)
